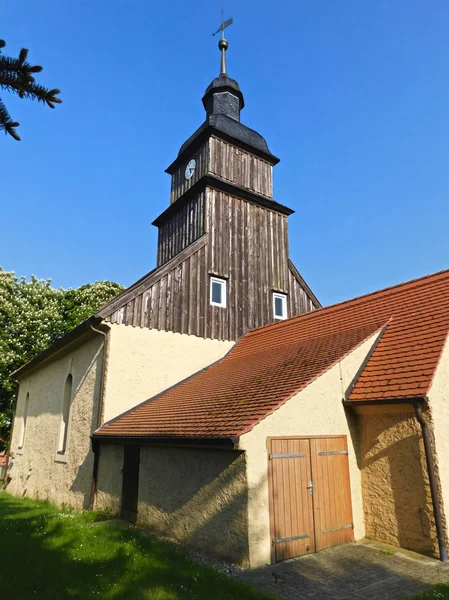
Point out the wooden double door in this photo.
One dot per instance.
(310, 496)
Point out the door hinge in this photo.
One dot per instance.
(290, 539)
(296, 455)
(332, 529)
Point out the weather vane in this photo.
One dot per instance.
(223, 43)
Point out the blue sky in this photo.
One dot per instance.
(352, 96)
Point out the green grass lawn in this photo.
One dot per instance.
(46, 553)
(439, 592)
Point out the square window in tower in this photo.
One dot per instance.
(218, 292)
(279, 306)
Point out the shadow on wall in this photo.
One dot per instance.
(196, 497)
(396, 492)
(82, 483)
(36, 473)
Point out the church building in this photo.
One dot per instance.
(216, 403)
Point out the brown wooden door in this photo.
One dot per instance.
(292, 501)
(331, 492)
(130, 485)
(310, 499)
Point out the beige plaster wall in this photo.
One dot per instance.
(316, 410)
(109, 477)
(37, 470)
(143, 362)
(396, 492)
(197, 497)
(439, 412)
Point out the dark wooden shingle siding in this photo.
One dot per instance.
(182, 229)
(179, 183)
(229, 162)
(240, 167)
(245, 244)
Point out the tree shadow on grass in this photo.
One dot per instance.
(51, 555)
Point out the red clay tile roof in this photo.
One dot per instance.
(271, 364)
(2, 459)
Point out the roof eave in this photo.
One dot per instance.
(215, 182)
(57, 346)
(206, 133)
(217, 443)
(384, 401)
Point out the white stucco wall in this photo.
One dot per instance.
(144, 362)
(141, 363)
(316, 410)
(36, 468)
(439, 407)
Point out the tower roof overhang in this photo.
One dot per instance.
(218, 183)
(229, 130)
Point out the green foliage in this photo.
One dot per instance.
(17, 77)
(51, 554)
(32, 316)
(77, 304)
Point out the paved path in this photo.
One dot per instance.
(367, 571)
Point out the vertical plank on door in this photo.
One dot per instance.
(291, 502)
(332, 494)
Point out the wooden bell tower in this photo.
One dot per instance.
(223, 262)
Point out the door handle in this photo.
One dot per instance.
(310, 487)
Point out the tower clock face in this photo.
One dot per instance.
(190, 169)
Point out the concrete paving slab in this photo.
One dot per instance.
(362, 571)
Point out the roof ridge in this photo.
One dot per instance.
(295, 319)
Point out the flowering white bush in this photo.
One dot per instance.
(32, 316)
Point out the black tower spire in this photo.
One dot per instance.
(223, 101)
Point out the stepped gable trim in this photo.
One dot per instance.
(221, 185)
(299, 278)
(150, 278)
(203, 133)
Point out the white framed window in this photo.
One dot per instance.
(66, 401)
(24, 421)
(279, 306)
(218, 292)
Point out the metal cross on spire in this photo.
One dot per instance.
(223, 43)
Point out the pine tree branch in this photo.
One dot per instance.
(14, 84)
(40, 93)
(9, 81)
(16, 76)
(6, 123)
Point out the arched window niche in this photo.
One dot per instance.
(66, 401)
(24, 420)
